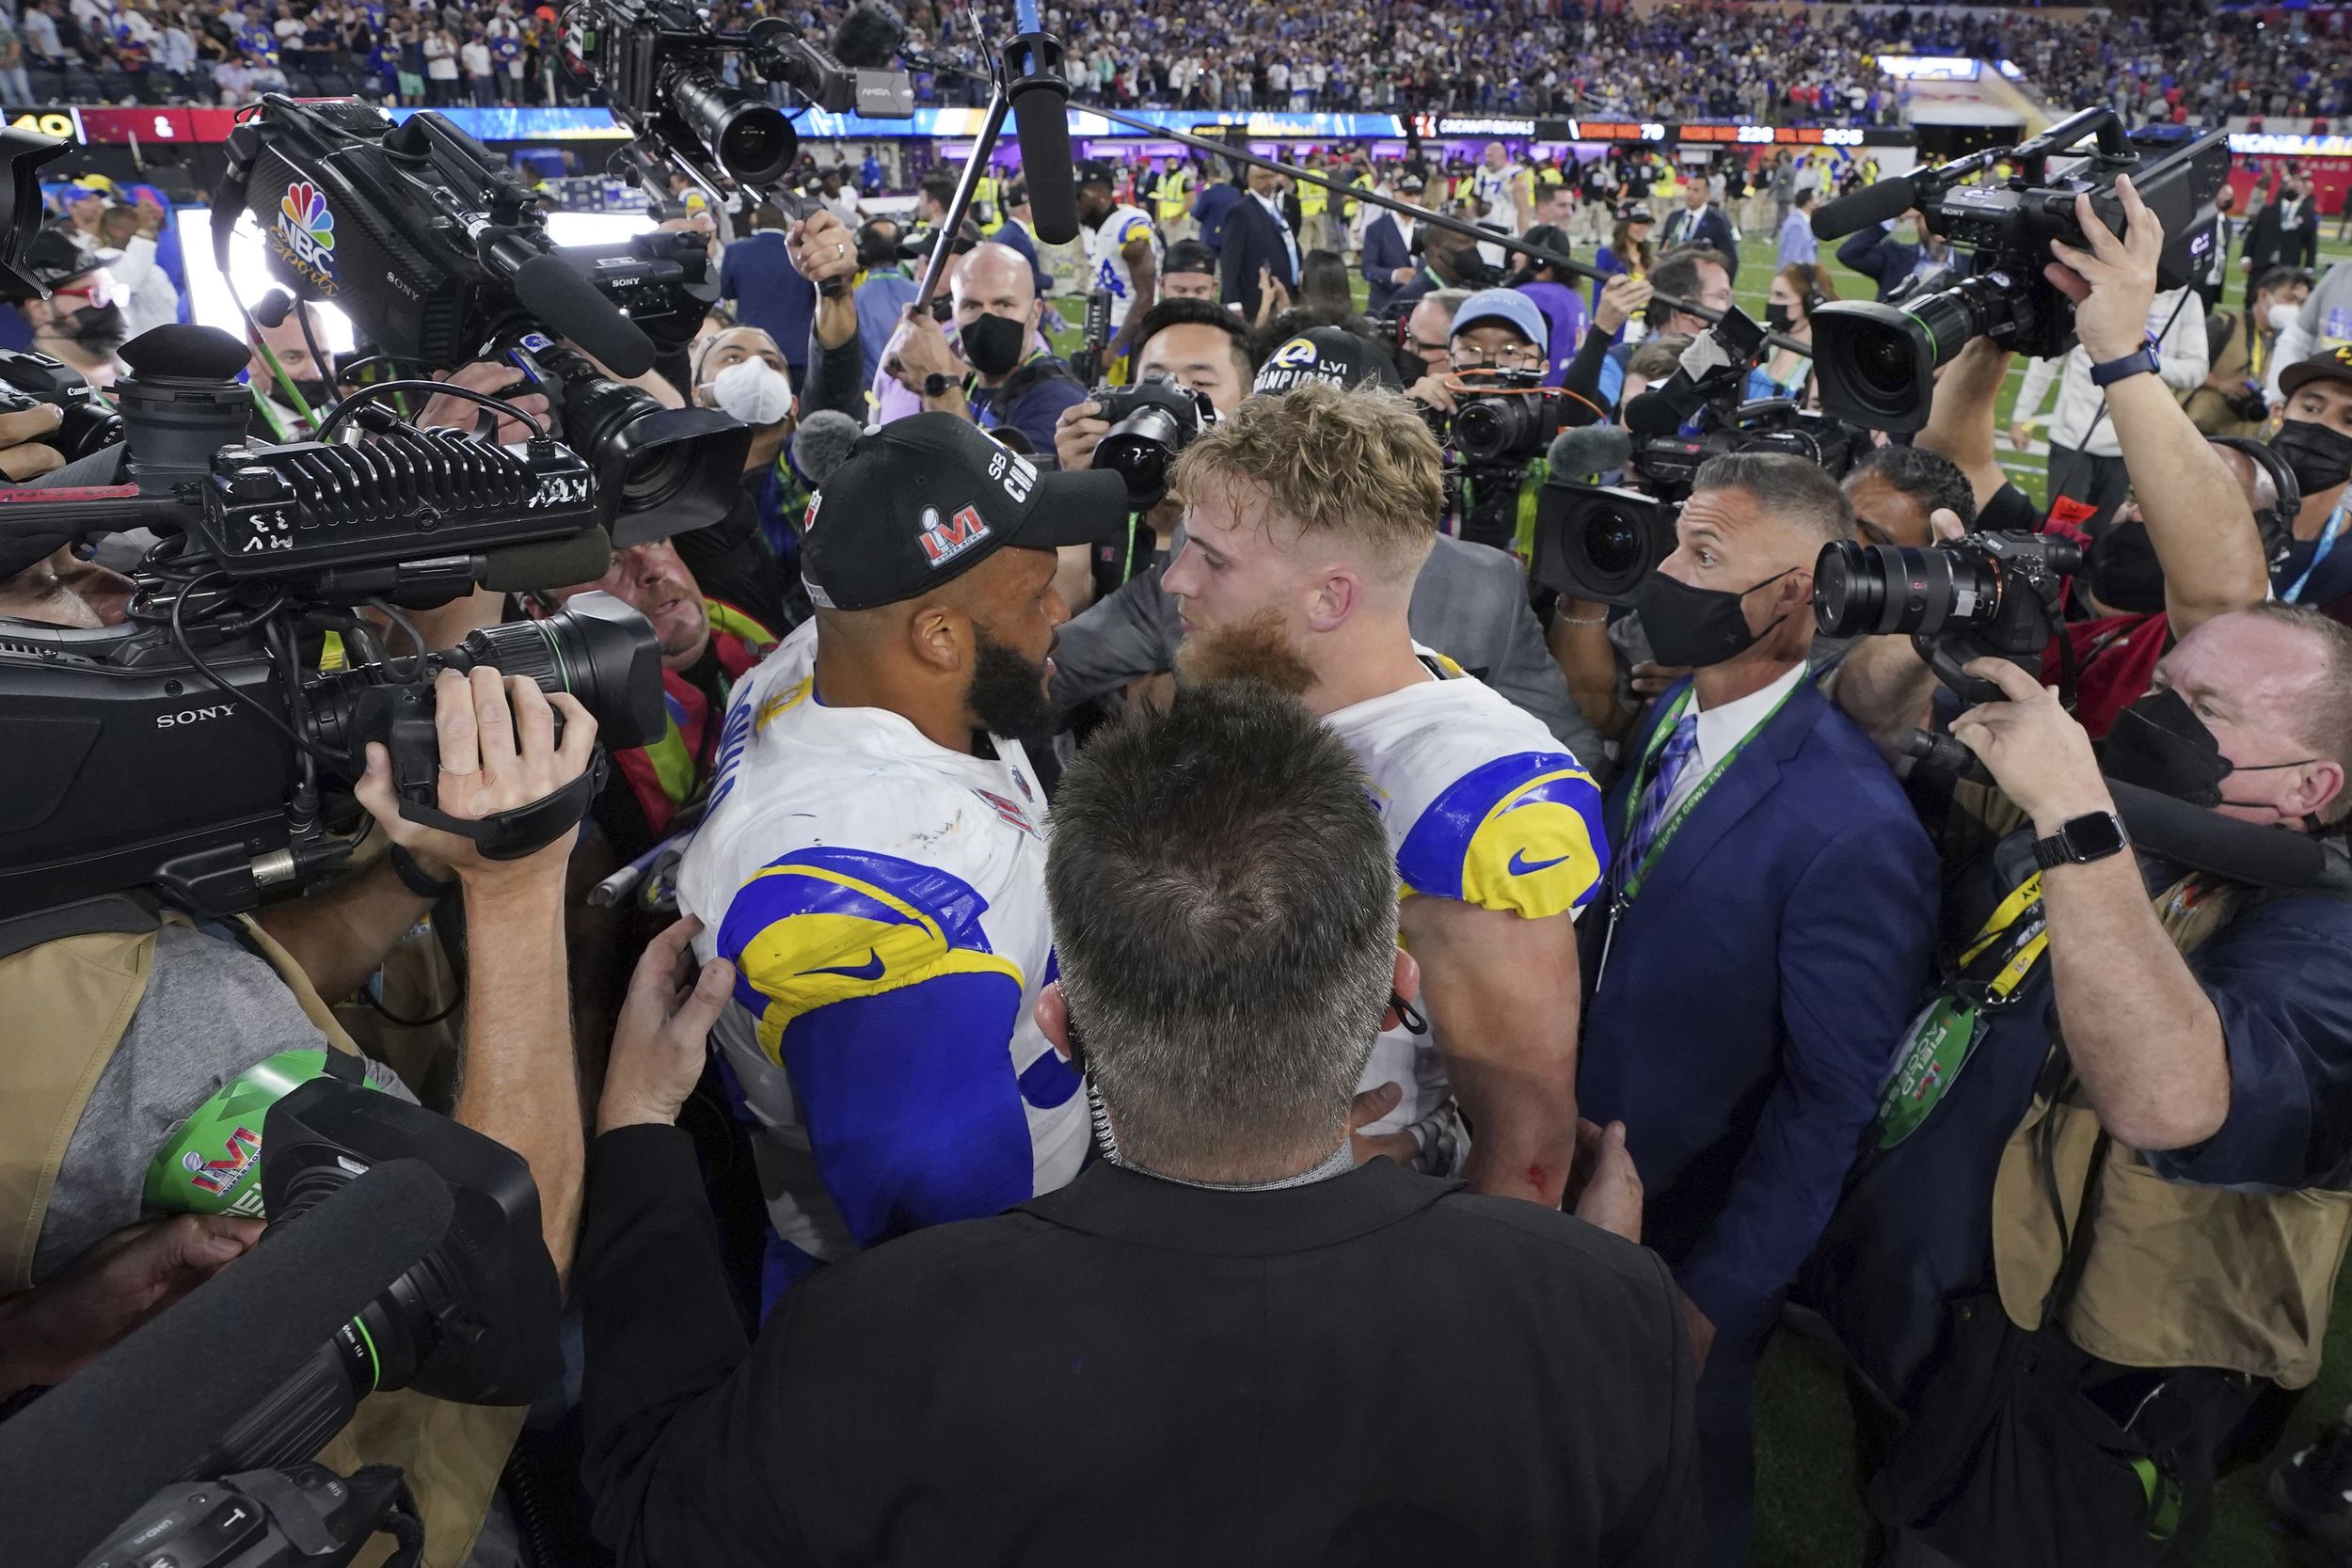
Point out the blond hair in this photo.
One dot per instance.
(1360, 464)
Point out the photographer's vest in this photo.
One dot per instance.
(74, 995)
(984, 204)
(2178, 1274)
(2243, 358)
(1174, 200)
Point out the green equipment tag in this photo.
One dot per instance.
(1936, 1046)
(212, 1165)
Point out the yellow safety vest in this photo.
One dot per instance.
(1175, 197)
(1311, 199)
(984, 206)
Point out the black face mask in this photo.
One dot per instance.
(1778, 317)
(2160, 743)
(1696, 626)
(994, 344)
(2125, 571)
(96, 328)
(2321, 458)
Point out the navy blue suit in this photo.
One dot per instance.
(1750, 1006)
(1709, 229)
(1385, 250)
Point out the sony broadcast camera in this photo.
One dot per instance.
(1599, 540)
(205, 747)
(1877, 362)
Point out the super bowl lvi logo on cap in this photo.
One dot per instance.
(944, 542)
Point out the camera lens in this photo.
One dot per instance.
(1138, 447)
(1598, 544)
(598, 649)
(750, 136)
(1870, 589)
(659, 471)
(1884, 362)
(1613, 542)
(1877, 363)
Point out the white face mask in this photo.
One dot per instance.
(2281, 315)
(754, 392)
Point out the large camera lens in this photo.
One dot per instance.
(598, 649)
(1877, 363)
(1141, 443)
(659, 471)
(1870, 589)
(1599, 543)
(1488, 427)
(750, 136)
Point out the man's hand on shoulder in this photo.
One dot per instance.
(662, 1037)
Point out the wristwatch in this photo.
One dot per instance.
(2080, 840)
(2141, 360)
(936, 384)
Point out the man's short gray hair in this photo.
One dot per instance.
(1785, 486)
(1224, 909)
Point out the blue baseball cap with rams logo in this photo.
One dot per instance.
(2333, 364)
(926, 498)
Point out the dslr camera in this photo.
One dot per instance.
(1502, 421)
(1877, 362)
(1985, 595)
(1149, 424)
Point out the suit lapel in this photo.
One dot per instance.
(1741, 789)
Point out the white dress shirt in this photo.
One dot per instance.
(1720, 729)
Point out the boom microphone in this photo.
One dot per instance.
(869, 37)
(1040, 96)
(81, 1460)
(1590, 450)
(550, 287)
(822, 444)
(1889, 199)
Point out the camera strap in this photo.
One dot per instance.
(509, 836)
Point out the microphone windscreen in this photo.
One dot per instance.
(82, 1459)
(822, 444)
(583, 557)
(551, 289)
(1598, 449)
(869, 37)
(1040, 114)
(1889, 199)
(180, 349)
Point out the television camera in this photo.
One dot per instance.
(1877, 362)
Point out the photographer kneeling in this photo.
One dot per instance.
(130, 1028)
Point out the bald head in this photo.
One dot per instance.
(2273, 683)
(996, 278)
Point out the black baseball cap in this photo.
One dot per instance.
(51, 259)
(927, 498)
(2332, 364)
(1331, 354)
(1188, 256)
(1093, 171)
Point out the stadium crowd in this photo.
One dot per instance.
(1516, 56)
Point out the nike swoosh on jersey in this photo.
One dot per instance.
(1523, 866)
(870, 970)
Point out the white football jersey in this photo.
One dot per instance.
(882, 900)
(1107, 268)
(1482, 805)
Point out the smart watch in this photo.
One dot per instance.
(2080, 840)
(2142, 358)
(936, 384)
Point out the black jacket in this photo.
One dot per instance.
(1378, 1368)
(1252, 240)
(2270, 242)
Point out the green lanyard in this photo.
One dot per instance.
(1673, 825)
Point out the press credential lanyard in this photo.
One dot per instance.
(1666, 830)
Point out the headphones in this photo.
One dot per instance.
(873, 249)
(1814, 297)
(2276, 524)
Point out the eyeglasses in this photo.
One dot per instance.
(1516, 357)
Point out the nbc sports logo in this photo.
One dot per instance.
(305, 225)
(944, 542)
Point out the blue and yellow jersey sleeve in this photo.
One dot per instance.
(876, 990)
(1132, 227)
(1522, 832)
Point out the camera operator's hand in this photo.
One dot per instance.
(1620, 298)
(2033, 748)
(1077, 433)
(661, 1038)
(1433, 391)
(498, 752)
(1604, 1189)
(920, 349)
(48, 1333)
(22, 452)
(2113, 284)
(823, 252)
(488, 376)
